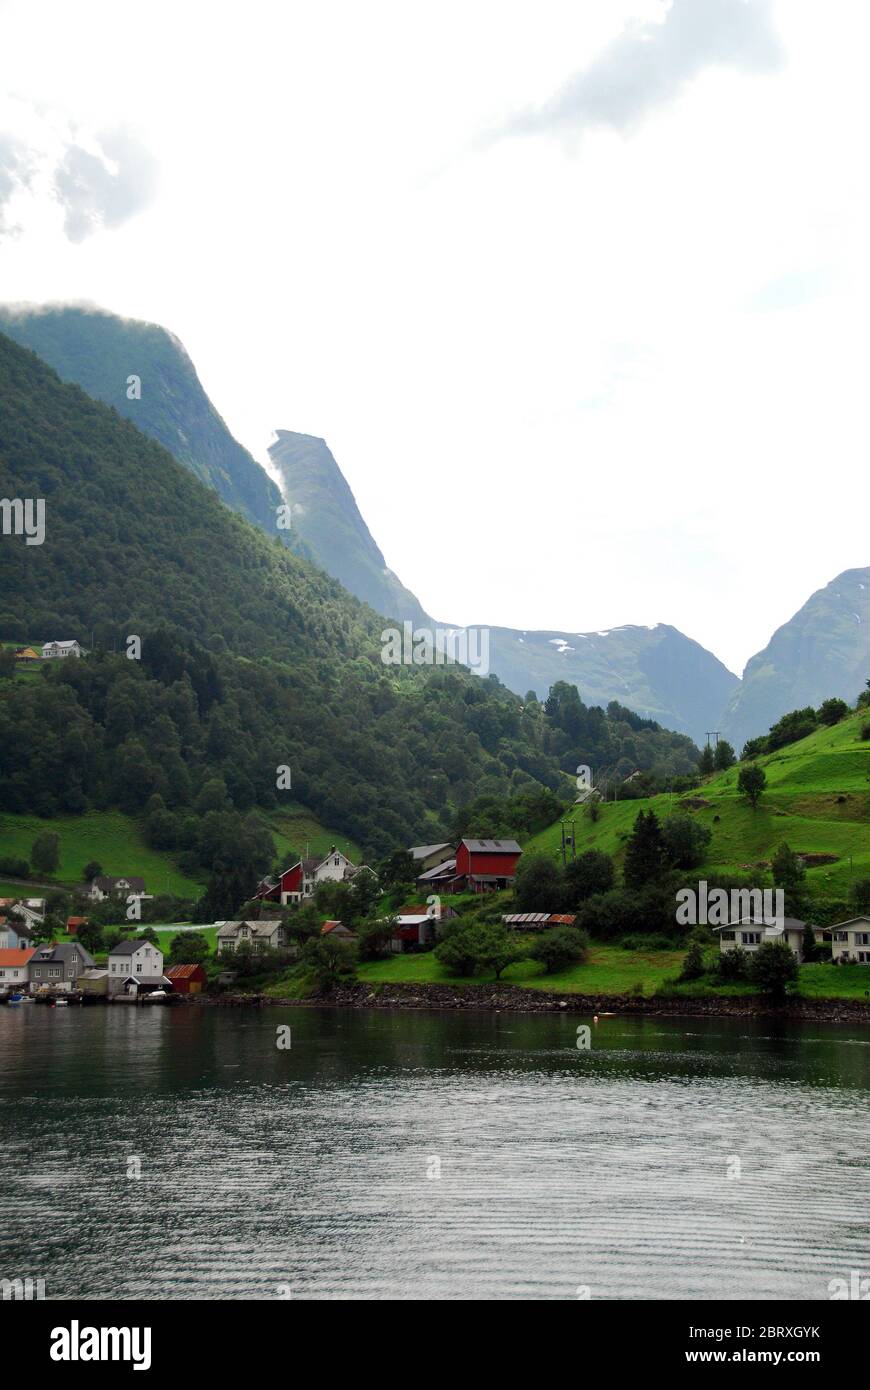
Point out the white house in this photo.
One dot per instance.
(256, 935)
(749, 933)
(850, 941)
(134, 965)
(107, 886)
(54, 651)
(297, 883)
(15, 968)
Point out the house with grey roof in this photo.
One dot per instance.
(749, 933)
(107, 886)
(850, 941)
(427, 857)
(58, 965)
(257, 936)
(133, 965)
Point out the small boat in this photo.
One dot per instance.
(16, 998)
(60, 1003)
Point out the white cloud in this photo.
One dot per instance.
(602, 390)
(651, 62)
(98, 179)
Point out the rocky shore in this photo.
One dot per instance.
(512, 998)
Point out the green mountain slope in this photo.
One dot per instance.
(265, 661)
(824, 650)
(817, 799)
(326, 516)
(98, 351)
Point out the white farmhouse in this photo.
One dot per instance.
(134, 965)
(54, 651)
(850, 941)
(749, 933)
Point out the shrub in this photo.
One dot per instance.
(560, 947)
(693, 965)
(686, 840)
(14, 868)
(733, 966)
(330, 962)
(772, 967)
(865, 732)
(458, 952)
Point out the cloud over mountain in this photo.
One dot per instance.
(650, 63)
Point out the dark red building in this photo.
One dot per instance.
(483, 865)
(187, 979)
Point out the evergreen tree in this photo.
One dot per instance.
(724, 757)
(645, 853)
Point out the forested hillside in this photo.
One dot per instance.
(99, 351)
(251, 659)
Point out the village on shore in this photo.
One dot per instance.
(135, 969)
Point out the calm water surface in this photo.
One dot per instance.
(313, 1170)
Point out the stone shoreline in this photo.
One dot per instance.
(514, 999)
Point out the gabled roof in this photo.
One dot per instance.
(182, 972)
(107, 883)
(444, 870)
(423, 851)
(129, 948)
(61, 952)
(492, 846)
(266, 927)
(334, 927)
(862, 922)
(14, 957)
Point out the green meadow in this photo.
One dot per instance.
(817, 799)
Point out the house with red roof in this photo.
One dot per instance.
(338, 931)
(15, 967)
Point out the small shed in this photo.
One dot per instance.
(94, 981)
(187, 979)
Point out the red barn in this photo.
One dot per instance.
(186, 979)
(290, 882)
(483, 865)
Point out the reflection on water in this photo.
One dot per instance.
(312, 1170)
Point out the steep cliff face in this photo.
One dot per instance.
(824, 650)
(327, 518)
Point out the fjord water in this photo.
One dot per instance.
(313, 1171)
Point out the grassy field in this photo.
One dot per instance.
(296, 828)
(817, 799)
(608, 970)
(611, 970)
(116, 842)
(110, 837)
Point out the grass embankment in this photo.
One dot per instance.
(114, 840)
(817, 799)
(609, 970)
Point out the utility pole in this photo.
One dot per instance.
(713, 733)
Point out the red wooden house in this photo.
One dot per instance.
(484, 865)
(187, 979)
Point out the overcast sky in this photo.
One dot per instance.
(577, 293)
